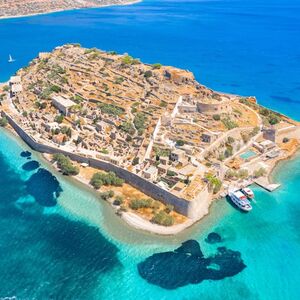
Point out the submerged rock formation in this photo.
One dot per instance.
(44, 187)
(187, 265)
(213, 238)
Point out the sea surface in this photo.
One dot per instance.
(58, 241)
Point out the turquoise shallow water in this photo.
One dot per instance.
(77, 248)
(73, 247)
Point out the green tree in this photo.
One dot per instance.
(65, 164)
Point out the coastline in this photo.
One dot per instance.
(68, 10)
(133, 219)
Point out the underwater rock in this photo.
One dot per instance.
(190, 247)
(25, 154)
(187, 265)
(31, 165)
(44, 187)
(213, 238)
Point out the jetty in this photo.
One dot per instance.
(265, 184)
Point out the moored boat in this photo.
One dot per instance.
(248, 193)
(240, 200)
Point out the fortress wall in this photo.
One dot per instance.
(214, 108)
(184, 207)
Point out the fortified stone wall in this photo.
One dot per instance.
(214, 108)
(184, 207)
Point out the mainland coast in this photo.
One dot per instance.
(26, 8)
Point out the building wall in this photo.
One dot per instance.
(60, 107)
(185, 207)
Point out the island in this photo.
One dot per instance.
(19, 8)
(155, 143)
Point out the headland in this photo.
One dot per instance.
(157, 145)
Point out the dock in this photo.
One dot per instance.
(265, 184)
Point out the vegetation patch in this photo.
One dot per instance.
(65, 165)
(109, 178)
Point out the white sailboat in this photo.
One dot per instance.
(10, 59)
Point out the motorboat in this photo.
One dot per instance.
(240, 200)
(248, 193)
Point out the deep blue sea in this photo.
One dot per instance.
(57, 241)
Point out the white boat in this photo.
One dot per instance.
(248, 193)
(10, 59)
(240, 200)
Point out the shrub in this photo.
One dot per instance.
(3, 122)
(217, 117)
(135, 161)
(180, 143)
(162, 218)
(273, 119)
(129, 60)
(127, 127)
(169, 208)
(109, 178)
(285, 140)
(156, 66)
(110, 109)
(55, 89)
(107, 195)
(264, 111)
(163, 104)
(6, 88)
(228, 152)
(119, 80)
(171, 173)
(77, 99)
(229, 124)
(148, 74)
(118, 201)
(230, 174)
(59, 119)
(139, 121)
(141, 203)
